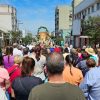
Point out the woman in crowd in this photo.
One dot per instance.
(26, 82)
(14, 72)
(8, 59)
(91, 83)
(82, 64)
(4, 76)
(71, 74)
(40, 61)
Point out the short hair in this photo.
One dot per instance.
(91, 63)
(18, 59)
(15, 45)
(27, 66)
(25, 51)
(55, 63)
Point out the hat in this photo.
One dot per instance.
(90, 51)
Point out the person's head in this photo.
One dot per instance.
(78, 50)
(90, 51)
(68, 60)
(38, 50)
(25, 51)
(15, 45)
(91, 63)
(27, 66)
(18, 59)
(55, 63)
(44, 52)
(66, 50)
(85, 55)
(9, 50)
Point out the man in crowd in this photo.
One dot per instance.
(56, 88)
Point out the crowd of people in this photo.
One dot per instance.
(55, 73)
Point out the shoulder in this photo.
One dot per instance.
(40, 88)
(36, 79)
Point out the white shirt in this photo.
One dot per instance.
(2, 95)
(38, 70)
(17, 52)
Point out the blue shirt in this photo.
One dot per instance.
(91, 84)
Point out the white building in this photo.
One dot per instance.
(8, 20)
(84, 10)
(63, 20)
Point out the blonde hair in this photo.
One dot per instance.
(18, 59)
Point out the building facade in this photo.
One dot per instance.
(84, 10)
(8, 19)
(8, 22)
(63, 21)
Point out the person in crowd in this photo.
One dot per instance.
(57, 49)
(66, 52)
(56, 88)
(79, 53)
(25, 52)
(91, 83)
(44, 52)
(67, 49)
(16, 51)
(2, 94)
(75, 58)
(4, 76)
(82, 64)
(71, 74)
(14, 72)
(22, 85)
(40, 62)
(8, 59)
(92, 54)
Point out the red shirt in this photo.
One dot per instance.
(57, 49)
(15, 71)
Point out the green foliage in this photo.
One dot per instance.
(27, 39)
(15, 36)
(58, 40)
(91, 27)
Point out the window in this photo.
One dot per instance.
(98, 6)
(92, 8)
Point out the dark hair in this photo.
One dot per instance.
(55, 63)
(85, 55)
(27, 66)
(9, 51)
(37, 52)
(91, 63)
(44, 52)
(68, 60)
(1, 57)
(66, 50)
(25, 51)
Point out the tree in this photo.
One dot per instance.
(91, 28)
(15, 36)
(27, 39)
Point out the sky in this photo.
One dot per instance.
(32, 14)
